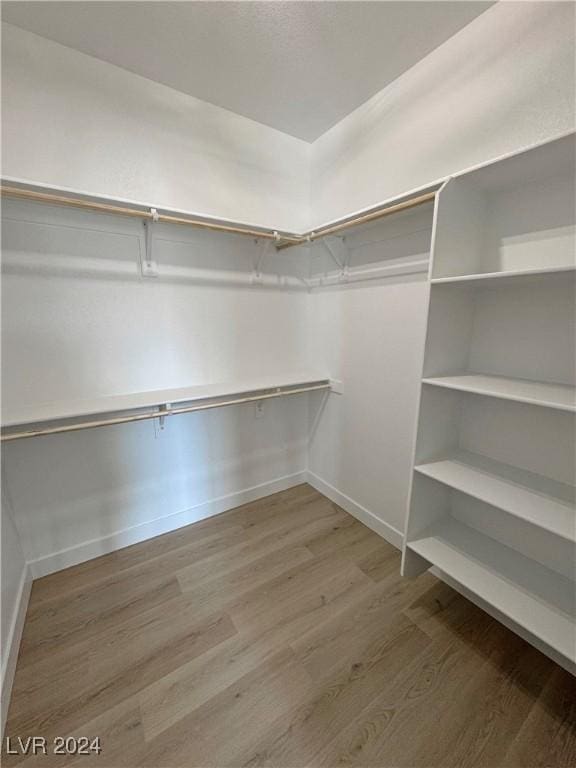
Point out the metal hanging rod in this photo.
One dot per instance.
(159, 414)
(282, 240)
(91, 205)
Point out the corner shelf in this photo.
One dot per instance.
(540, 393)
(534, 597)
(538, 500)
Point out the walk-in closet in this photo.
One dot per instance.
(288, 384)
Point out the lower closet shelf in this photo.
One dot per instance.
(538, 500)
(534, 597)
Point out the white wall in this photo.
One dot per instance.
(370, 335)
(79, 321)
(73, 121)
(503, 82)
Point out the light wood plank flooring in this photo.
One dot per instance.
(280, 634)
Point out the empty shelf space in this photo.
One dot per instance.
(534, 597)
(490, 279)
(531, 497)
(540, 393)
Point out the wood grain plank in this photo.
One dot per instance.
(381, 562)
(188, 687)
(343, 535)
(81, 577)
(403, 722)
(308, 587)
(82, 613)
(271, 536)
(278, 505)
(548, 734)
(510, 683)
(327, 648)
(298, 739)
(60, 691)
(233, 720)
(121, 735)
(48, 623)
(428, 693)
(223, 591)
(65, 629)
(281, 634)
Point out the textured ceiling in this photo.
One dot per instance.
(299, 67)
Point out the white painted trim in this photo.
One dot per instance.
(13, 644)
(57, 561)
(392, 535)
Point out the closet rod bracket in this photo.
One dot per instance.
(163, 411)
(265, 249)
(148, 265)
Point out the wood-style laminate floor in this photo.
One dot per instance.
(280, 634)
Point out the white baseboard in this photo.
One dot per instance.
(392, 535)
(10, 651)
(87, 550)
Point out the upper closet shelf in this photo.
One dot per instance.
(490, 279)
(538, 500)
(263, 387)
(559, 396)
(20, 189)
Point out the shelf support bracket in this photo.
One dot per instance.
(340, 254)
(148, 265)
(265, 247)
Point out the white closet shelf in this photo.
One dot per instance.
(559, 396)
(538, 500)
(490, 279)
(534, 597)
(71, 409)
(63, 196)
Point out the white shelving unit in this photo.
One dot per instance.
(492, 502)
